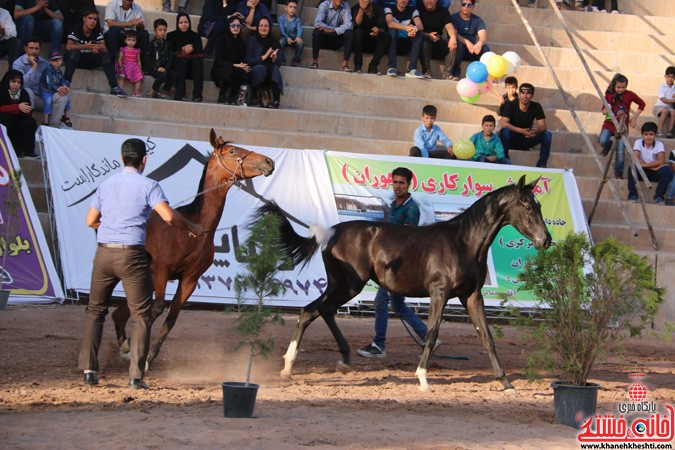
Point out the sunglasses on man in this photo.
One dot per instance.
(467, 5)
(525, 91)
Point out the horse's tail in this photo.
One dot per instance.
(296, 247)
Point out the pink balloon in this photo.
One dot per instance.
(484, 88)
(467, 88)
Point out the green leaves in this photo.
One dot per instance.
(590, 297)
(262, 257)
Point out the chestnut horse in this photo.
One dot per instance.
(441, 261)
(174, 256)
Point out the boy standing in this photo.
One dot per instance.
(651, 154)
(157, 62)
(488, 146)
(291, 32)
(511, 93)
(665, 103)
(52, 82)
(427, 136)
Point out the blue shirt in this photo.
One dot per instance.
(31, 78)
(289, 28)
(491, 147)
(125, 201)
(426, 140)
(339, 20)
(406, 214)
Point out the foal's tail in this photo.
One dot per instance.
(296, 247)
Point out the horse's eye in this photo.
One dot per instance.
(528, 208)
(231, 151)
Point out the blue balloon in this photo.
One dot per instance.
(477, 72)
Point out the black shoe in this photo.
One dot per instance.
(90, 378)
(136, 384)
(197, 100)
(221, 98)
(275, 104)
(373, 70)
(372, 351)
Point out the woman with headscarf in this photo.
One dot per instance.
(16, 114)
(229, 62)
(214, 21)
(261, 54)
(188, 57)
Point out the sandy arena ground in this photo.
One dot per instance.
(43, 403)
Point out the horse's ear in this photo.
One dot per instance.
(212, 138)
(521, 183)
(533, 183)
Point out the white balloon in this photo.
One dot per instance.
(514, 62)
(486, 57)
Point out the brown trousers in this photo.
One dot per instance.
(132, 267)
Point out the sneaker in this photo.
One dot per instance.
(372, 351)
(137, 94)
(118, 92)
(427, 75)
(373, 70)
(414, 73)
(392, 72)
(660, 134)
(669, 135)
(659, 200)
(633, 198)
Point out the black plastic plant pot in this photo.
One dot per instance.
(574, 404)
(239, 399)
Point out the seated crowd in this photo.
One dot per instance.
(247, 60)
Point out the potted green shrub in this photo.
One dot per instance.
(590, 296)
(262, 258)
(9, 226)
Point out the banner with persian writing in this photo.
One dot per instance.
(312, 186)
(27, 269)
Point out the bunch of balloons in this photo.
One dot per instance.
(482, 75)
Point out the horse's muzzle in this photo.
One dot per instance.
(269, 168)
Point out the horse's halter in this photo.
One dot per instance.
(240, 166)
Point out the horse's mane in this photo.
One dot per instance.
(478, 210)
(198, 201)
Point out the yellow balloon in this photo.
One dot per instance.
(497, 66)
(464, 149)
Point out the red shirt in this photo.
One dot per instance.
(621, 106)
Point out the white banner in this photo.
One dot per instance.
(308, 184)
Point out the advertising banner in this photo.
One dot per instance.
(312, 186)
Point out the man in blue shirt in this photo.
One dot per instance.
(471, 36)
(119, 212)
(404, 211)
(31, 65)
(332, 30)
(427, 135)
(405, 34)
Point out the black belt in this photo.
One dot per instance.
(122, 246)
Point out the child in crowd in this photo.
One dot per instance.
(129, 63)
(488, 146)
(291, 33)
(511, 93)
(157, 62)
(671, 189)
(52, 82)
(651, 154)
(427, 136)
(16, 114)
(620, 100)
(665, 103)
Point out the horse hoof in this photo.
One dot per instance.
(511, 391)
(285, 375)
(424, 388)
(342, 367)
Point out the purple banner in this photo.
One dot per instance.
(26, 271)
